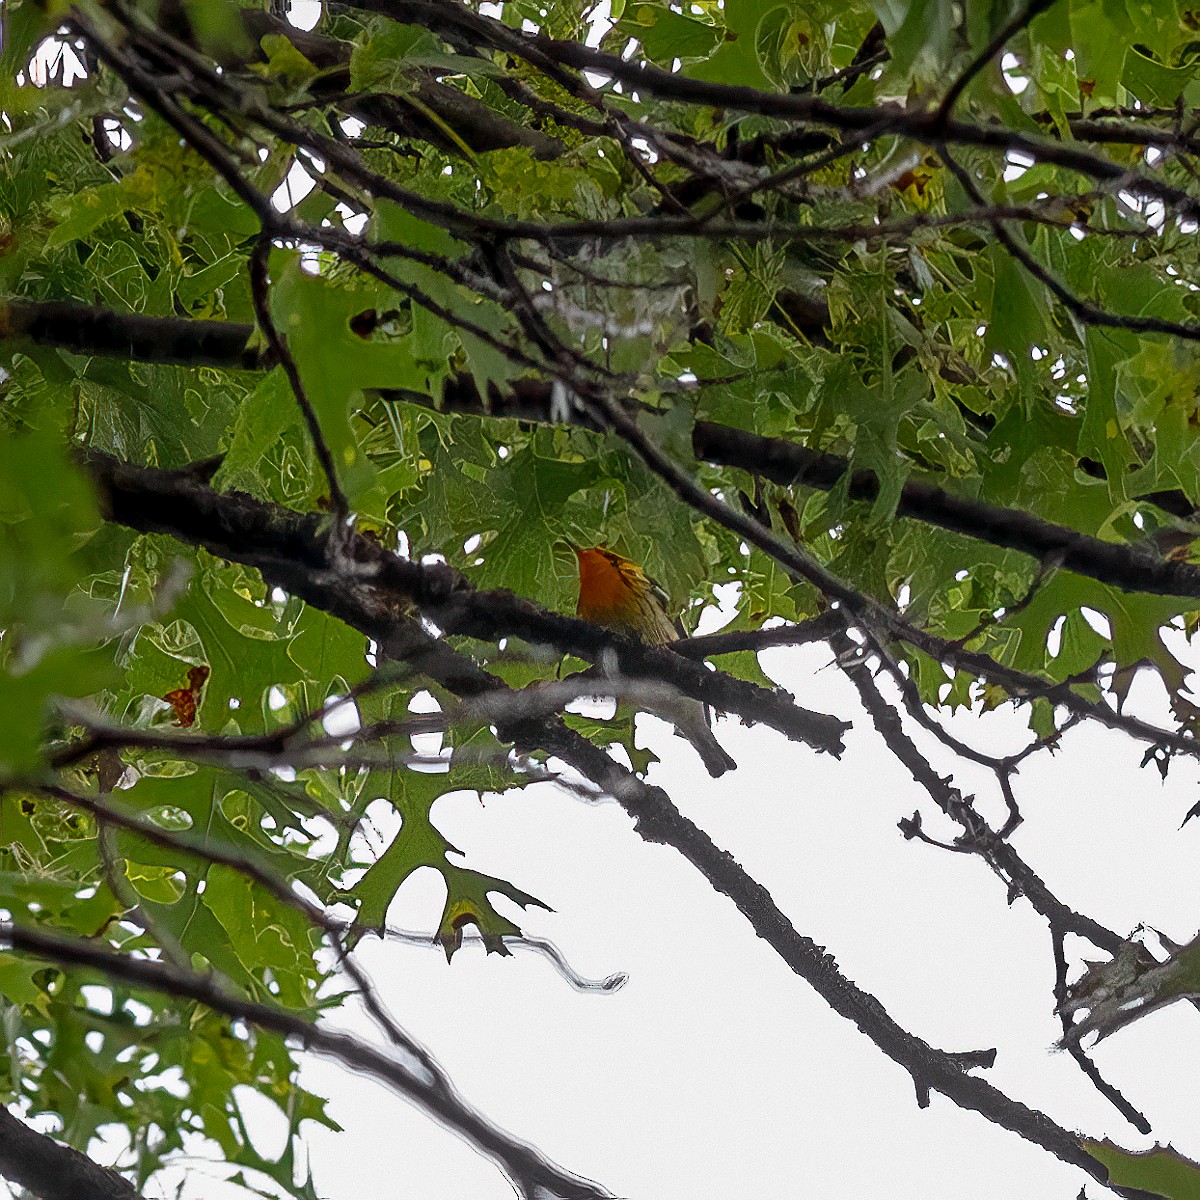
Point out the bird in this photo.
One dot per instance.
(616, 593)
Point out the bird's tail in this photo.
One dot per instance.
(691, 721)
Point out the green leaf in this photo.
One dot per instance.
(1162, 1171)
(468, 902)
(381, 62)
(736, 60)
(336, 364)
(218, 28)
(26, 700)
(666, 35)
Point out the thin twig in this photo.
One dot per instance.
(1112, 1094)
(260, 290)
(1088, 313)
(995, 44)
(528, 1170)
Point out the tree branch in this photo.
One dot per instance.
(1089, 314)
(658, 821)
(458, 23)
(473, 123)
(430, 1090)
(53, 1171)
(85, 329)
(1133, 568)
(294, 552)
(995, 44)
(260, 291)
(89, 329)
(979, 838)
(803, 567)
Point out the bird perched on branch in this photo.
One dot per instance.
(618, 594)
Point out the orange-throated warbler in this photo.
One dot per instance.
(617, 593)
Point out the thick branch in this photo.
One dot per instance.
(1132, 568)
(295, 552)
(87, 329)
(52, 1171)
(84, 329)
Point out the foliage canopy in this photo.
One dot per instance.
(874, 322)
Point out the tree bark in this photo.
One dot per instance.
(53, 1171)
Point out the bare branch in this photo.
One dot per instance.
(979, 838)
(542, 946)
(530, 1173)
(1076, 1051)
